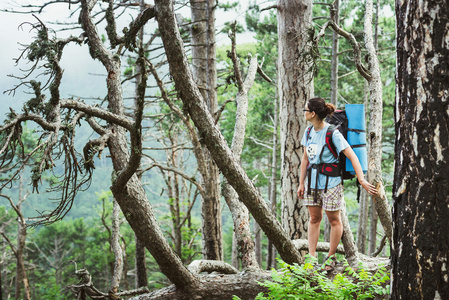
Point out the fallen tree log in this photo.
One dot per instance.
(215, 287)
(303, 245)
(198, 266)
(246, 285)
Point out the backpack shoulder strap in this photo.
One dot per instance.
(329, 142)
(308, 131)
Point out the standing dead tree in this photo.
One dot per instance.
(239, 212)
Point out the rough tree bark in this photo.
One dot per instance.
(375, 125)
(204, 70)
(420, 248)
(205, 74)
(373, 213)
(295, 87)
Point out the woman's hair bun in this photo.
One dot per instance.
(330, 108)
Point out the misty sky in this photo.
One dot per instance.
(80, 71)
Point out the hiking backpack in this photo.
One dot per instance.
(339, 121)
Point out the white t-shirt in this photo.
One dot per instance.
(313, 146)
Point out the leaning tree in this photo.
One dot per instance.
(420, 248)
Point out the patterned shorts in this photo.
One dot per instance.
(332, 200)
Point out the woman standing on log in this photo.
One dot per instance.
(325, 191)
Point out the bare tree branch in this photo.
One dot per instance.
(355, 46)
(185, 176)
(11, 245)
(198, 266)
(98, 112)
(233, 56)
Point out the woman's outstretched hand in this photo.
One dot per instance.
(369, 187)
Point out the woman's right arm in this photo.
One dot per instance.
(302, 177)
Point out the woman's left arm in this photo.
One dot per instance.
(349, 153)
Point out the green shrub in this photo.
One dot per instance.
(306, 282)
(54, 293)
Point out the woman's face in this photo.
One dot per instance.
(308, 114)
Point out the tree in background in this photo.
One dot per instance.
(265, 143)
(11, 165)
(205, 73)
(420, 249)
(295, 87)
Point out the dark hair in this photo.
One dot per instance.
(320, 107)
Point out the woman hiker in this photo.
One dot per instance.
(319, 197)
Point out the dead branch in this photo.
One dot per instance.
(11, 245)
(176, 171)
(221, 109)
(98, 112)
(198, 266)
(262, 73)
(269, 7)
(351, 39)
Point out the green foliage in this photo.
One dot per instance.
(306, 282)
(228, 5)
(54, 293)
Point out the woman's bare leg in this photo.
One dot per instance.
(316, 214)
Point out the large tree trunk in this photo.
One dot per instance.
(420, 249)
(211, 135)
(127, 188)
(204, 70)
(295, 87)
